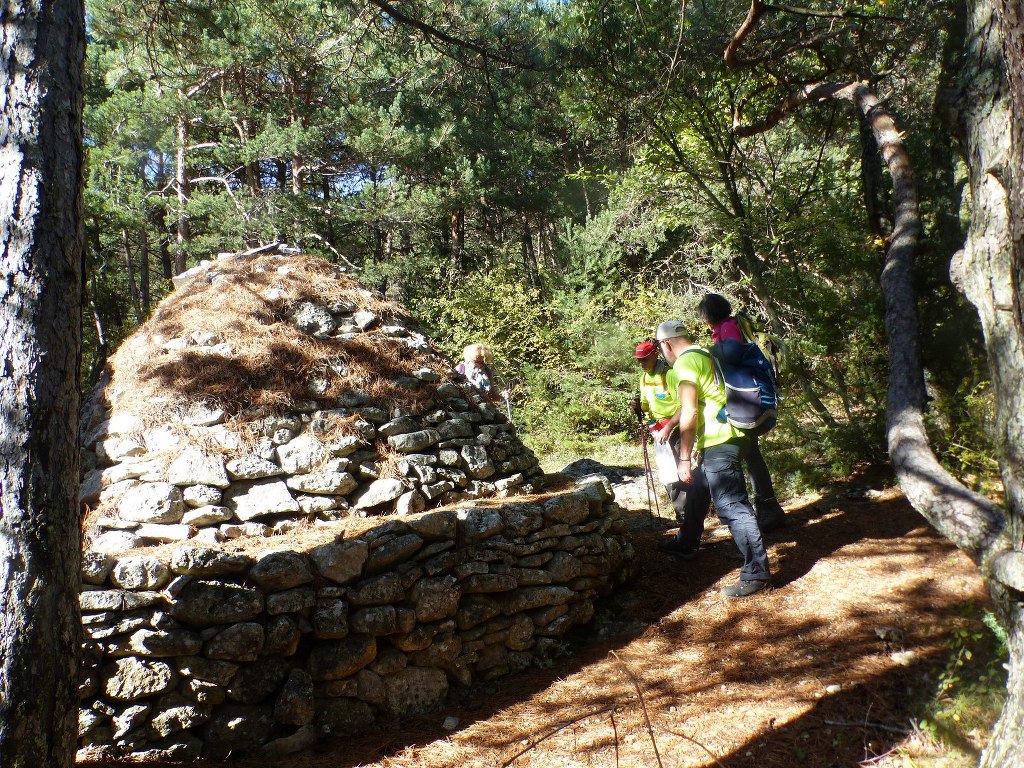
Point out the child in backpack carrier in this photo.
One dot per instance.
(716, 311)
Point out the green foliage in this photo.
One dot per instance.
(555, 199)
(971, 687)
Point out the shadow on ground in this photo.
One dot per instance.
(798, 676)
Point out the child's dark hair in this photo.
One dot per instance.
(714, 308)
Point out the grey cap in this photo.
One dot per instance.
(672, 329)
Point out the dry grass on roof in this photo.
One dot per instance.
(248, 301)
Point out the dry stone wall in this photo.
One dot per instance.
(206, 482)
(202, 651)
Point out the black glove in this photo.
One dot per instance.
(637, 410)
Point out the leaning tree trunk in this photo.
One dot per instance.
(990, 272)
(40, 313)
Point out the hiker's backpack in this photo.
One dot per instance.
(748, 378)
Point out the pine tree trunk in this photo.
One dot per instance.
(990, 272)
(40, 347)
(182, 183)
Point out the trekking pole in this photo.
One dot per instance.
(649, 477)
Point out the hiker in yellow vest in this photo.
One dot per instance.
(655, 403)
(721, 446)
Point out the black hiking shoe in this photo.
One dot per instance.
(745, 588)
(675, 547)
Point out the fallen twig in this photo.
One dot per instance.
(697, 743)
(557, 729)
(643, 706)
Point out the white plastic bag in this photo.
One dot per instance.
(665, 460)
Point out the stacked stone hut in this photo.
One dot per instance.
(300, 521)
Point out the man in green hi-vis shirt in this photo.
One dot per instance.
(721, 446)
(655, 403)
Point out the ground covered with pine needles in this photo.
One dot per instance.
(829, 668)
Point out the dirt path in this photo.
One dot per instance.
(785, 678)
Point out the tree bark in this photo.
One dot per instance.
(133, 287)
(41, 59)
(990, 271)
(182, 184)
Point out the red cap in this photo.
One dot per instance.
(644, 349)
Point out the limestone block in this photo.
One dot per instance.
(202, 517)
(440, 653)
(337, 483)
(202, 692)
(410, 503)
(155, 643)
(455, 428)
(563, 567)
(251, 529)
(527, 598)
(475, 610)
(303, 454)
(488, 582)
(303, 738)
(294, 704)
(393, 552)
(259, 681)
(414, 690)
(291, 600)
(476, 525)
(389, 661)
(163, 533)
(330, 619)
(129, 718)
(174, 713)
(336, 659)
(116, 600)
(476, 462)
(314, 505)
(377, 493)
(435, 597)
(152, 503)
(403, 425)
(206, 603)
(206, 562)
(413, 442)
(209, 670)
(195, 467)
(378, 590)
(340, 561)
(437, 489)
(117, 448)
(345, 445)
(343, 716)
(203, 414)
(280, 570)
(96, 566)
(237, 727)
(113, 542)
(238, 642)
(252, 467)
(281, 637)
(374, 620)
(313, 319)
(251, 500)
(201, 495)
(569, 508)
(130, 678)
